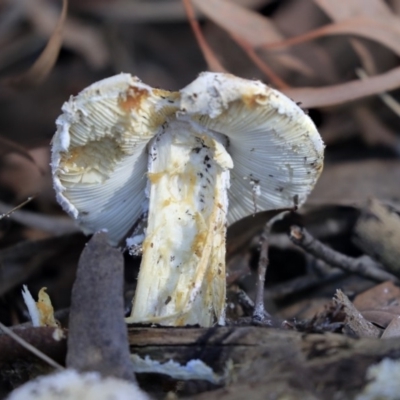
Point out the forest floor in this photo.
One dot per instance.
(334, 264)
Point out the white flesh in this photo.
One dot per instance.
(182, 275)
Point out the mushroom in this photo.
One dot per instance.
(71, 385)
(124, 151)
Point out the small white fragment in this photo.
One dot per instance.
(255, 187)
(71, 385)
(135, 245)
(385, 382)
(31, 305)
(194, 369)
(135, 240)
(58, 334)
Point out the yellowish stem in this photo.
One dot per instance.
(182, 274)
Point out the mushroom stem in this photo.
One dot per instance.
(182, 274)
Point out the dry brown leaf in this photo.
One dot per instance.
(354, 322)
(371, 9)
(377, 233)
(381, 296)
(210, 57)
(55, 225)
(373, 130)
(45, 63)
(379, 304)
(79, 36)
(338, 125)
(295, 18)
(355, 181)
(332, 95)
(385, 31)
(378, 317)
(395, 5)
(351, 8)
(263, 67)
(249, 26)
(24, 181)
(393, 329)
(8, 146)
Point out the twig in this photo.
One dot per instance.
(48, 223)
(262, 66)
(260, 315)
(387, 98)
(211, 59)
(9, 212)
(363, 266)
(246, 302)
(289, 288)
(31, 348)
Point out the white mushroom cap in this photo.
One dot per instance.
(276, 149)
(99, 158)
(72, 385)
(100, 150)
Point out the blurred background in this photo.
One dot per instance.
(338, 59)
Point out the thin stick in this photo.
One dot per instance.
(8, 213)
(31, 348)
(277, 81)
(363, 266)
(48, 223)
(260, 315)
(211, 59)
(388, 99)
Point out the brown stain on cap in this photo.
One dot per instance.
(252, 100)
(134, 98)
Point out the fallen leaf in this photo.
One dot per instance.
(356, 181)
(78, 36)
(379, 304)
(332, 95)
(248, 28)
(393, 329)
(210, 57)
(377, 233)
(9, 146)
(373, 130)
(354, 323)
(382, 296)
(351, 8)
(385, 31)
(354, 8)
(395, 4)
(17, 174)
(45, 63)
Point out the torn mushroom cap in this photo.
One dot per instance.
(71, 385)
(100, 153)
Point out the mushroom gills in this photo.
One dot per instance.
(182, 274)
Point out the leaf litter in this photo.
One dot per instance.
(353, 209)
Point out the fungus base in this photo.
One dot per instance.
(182, 275)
